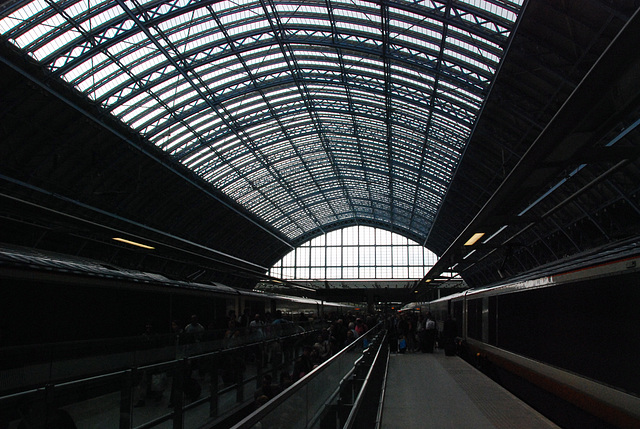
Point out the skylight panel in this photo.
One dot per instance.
(147, 67)
(168, 96)
(21, 15)
(253, 99)
(227, 14)
(246, 28)
(191, 19)
(97, 20)
(303, 21)
(9, 23)
(428, 28)
(302, 9)
(415, 41)
(266, 68)
(493, 8)
(195, 44)
(261, 58)
(258, 105)
(138, 110)
(62, 40)
(86, 67)
(104, 70)
(150, 114)
(178, 101)
(202, 123)
(27, 38)
(282, 100)
(108, 85)
(374, 30)
(176, 143)
(489, 25)
(136, 105)
(468, 60)
(202, 152)
(471, 48)
(358, 14)
(126, 52)
(171, 82)
(212, 74)
(373, 62)
(203, 164)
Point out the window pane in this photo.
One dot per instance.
(333, 256)
(334, 273)
(367, 256)
(288, 273)
(382, 237)
(397, 239)
(383, 272)
(318, 241)
(302, 272)
(367, 235)
(400, 272)
(415, 255)
(302, 256)
(317, 256)
(289, 260)
(400, 256)
(367, 272)
(429, 259)
(350, 236)
(416, 272)
(334, 238)
(350, 272)
(383, 255)
(350, 256)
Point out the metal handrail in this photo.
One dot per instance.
(359, 399)
(383, 391)
(130, 358)
(11, 399)
(278, 400)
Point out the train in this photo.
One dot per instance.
(54, 298)
(564, 338)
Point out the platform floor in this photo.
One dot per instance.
(427, 390)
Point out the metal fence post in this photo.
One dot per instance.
(213, 402)
(126, 399)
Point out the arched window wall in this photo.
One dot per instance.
(357, 252)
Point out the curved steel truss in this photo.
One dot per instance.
(306, 113)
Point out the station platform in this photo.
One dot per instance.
(431, 390)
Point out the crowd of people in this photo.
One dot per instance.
(342, 331)
(408, 332)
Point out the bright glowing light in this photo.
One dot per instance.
(133, 243)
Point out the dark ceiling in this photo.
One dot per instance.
(72, 177)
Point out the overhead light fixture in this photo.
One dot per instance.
(428, 280)
(494, 234)
(133, 243)
(469, 254)
(475, 237)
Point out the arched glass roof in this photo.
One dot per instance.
(306, 113)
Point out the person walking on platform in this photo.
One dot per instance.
(429, 334)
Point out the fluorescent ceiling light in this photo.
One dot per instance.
(477, 236)
(133, 243)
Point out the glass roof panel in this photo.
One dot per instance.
(300, 124)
